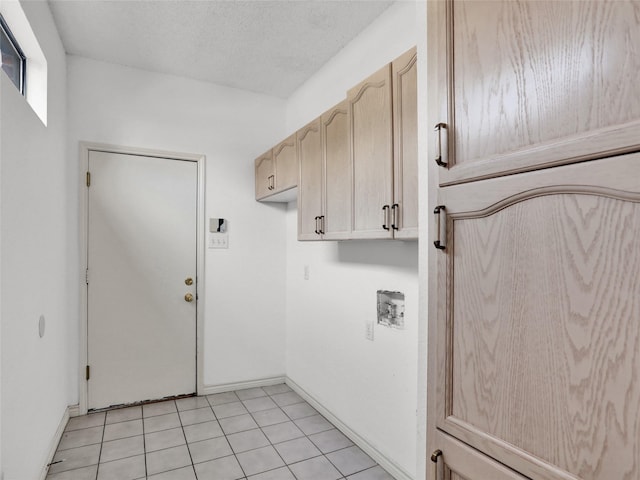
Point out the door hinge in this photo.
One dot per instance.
(86, 276)
(88, 372)
(441, 227)
(88, 179)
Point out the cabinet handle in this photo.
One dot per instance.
(441, 227)
(385, 213)
(394, 211)
(272, 182)
(322, 224)
(316, 230)
(441, 158)
(434, 458)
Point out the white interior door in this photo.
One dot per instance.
(141, 250)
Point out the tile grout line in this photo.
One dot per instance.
(186, 443)
(104, 427)
(322, 454)
(304, 434)
(244, 474)
(268, 439)
(144, 442)
(252, 416)
(273, 445)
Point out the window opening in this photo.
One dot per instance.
(14, 61)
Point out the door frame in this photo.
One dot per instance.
(85, 149)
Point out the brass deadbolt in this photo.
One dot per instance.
(188, 281)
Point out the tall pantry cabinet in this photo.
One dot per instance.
(534, 338)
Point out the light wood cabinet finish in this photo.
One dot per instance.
(529, 84)
(370, 120)
(310, 189)
(405, 143)
(537, 333)
(265, 175)
(277, 172)
(461, 462)
(324, 197)
(336, 223)
(286, 164)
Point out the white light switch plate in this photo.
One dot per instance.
(218, 240)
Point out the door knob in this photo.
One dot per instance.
(188, 281)
(188, 297)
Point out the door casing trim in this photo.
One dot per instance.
(84, 149)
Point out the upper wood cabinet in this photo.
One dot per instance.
(276, 172)
(405, 146)
(286, 164)
(324, 194)
(384, 151)
(529, 84)
(370, 121)
(356, 167)
(265, 175)
(336, 220)
(311, 180)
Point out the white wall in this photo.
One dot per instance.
(244, 305)
(36, 230)
(370, 386)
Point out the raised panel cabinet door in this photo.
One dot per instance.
(310, 182)
(286, 164)
(370, 122)
(337, 173)
(525, 84)
(537, 333)
(405, 143)
(453, 460)
(265, 175)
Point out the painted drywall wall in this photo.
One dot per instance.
(243, 301)
(371, 386)
(35, 280)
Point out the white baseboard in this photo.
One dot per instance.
(74, 410)
(53, 445)
(227, 387)
(389, 465)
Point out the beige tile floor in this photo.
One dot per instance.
(267, 433)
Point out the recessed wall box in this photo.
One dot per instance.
(391, 309)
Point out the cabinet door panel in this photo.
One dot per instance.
(461, 462)
(405, 143)
(264, 171)
(310, 181)
(539, 306)
(538, 83)
(286, 164)
(371, 154)
(337, 173)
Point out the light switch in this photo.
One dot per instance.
(218, 240)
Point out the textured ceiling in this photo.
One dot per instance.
(263, 46)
